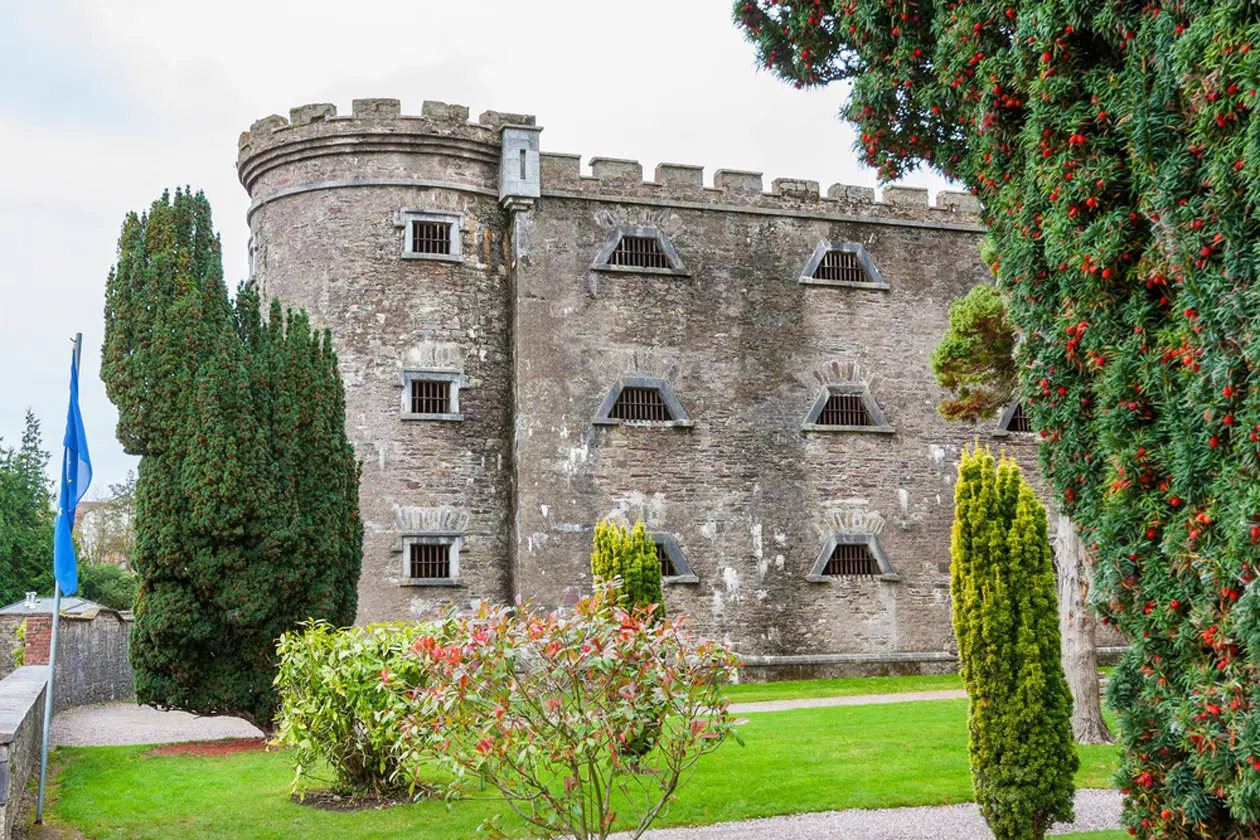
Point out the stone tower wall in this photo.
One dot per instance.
(327, 192)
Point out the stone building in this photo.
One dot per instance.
(527, 350)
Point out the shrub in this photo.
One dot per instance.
(19, 645)
(1006, 620)
(342, 703)
(541, 706)
(630, 556)
(108, 585)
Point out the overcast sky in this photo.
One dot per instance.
(105, 103)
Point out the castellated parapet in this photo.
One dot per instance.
(527, 349)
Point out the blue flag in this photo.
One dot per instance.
(76, 475)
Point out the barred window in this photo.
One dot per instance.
(429, 237)
(845, 410)
(643, 404)
(428, 561)
(842, 266)
(667, 563)
(851, 560)
(1018, 420)
(640, 252)
(430, 396)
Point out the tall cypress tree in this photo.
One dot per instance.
(26, 517)
(1006, 622)
(247, 497)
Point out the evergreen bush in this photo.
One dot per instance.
(1006, 622)
(343, 704)
(628, 555)
(247, 498)
(1116, 154)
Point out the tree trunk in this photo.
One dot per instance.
(1077, 629)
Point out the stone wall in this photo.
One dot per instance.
(92, 664)
(21, 731)
(539, 337)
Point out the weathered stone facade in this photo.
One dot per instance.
(533, 335)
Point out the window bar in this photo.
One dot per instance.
(430, 396)
(639, 252)
(851, 560)
(644, 404)
(844, 410)
(430, 561)
(1019, 420)
(667, 565)
(430, 237)
(842, 266)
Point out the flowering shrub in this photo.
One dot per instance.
(544, 708)
(343, 701)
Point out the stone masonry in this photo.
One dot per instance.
(532, 333)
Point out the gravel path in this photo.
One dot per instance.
(1096, 810)
(855, 700)
(110, 724)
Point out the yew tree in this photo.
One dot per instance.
(1114, 151)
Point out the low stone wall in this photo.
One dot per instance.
(92, 665)
(21, 728)
(762, 669)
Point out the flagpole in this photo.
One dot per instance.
(52, 655)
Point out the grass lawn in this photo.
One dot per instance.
(847, 687)
(794, 762)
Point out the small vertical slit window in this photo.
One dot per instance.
(1019, 420)
(667, 563)
(641, 404)
(639, 252)
(841, 266)
(428, 561)
(430, 396)
(851, 560)
(428, 237)
(845, 410)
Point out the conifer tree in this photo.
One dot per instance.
(26, 517)
(631, 556)
(1006, 622)
(1114, 148)
(247, 497)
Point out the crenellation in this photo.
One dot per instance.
(909, 197)
(267, 125)
(616, 170)
(444, 112)
(376, 109)
(679, 175)
(849, 194)
(498, 119)
(561, 170)
(315, 112)
(957, 202)
(795, 187)
(735, 179)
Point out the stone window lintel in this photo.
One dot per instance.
(676, 269)
(680, 420)
(880, 427)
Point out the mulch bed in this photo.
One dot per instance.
(326, 800)
(227, 746)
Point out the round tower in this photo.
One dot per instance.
(394, 231)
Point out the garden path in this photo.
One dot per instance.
(1096, 810)
(853, 700)
(113, 724)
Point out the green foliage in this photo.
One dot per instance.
(247, 497)
(541, 707)
(108, 585)
(26, 517)
(342, 703)
(18, 651)
(1006, 622)
(1115, 150)
(630, 556)
(974, 360)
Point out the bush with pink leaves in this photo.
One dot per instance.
(585, 720)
